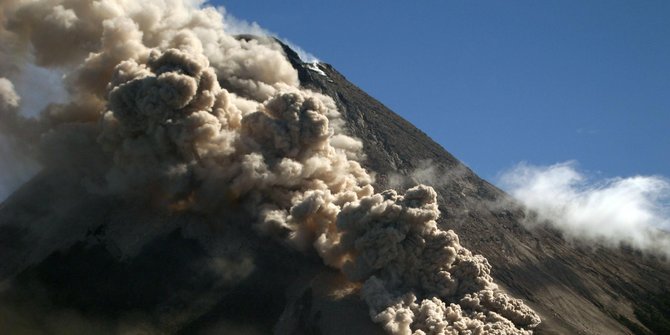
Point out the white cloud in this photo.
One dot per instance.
(632, 211)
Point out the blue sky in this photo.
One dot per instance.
(500, 82)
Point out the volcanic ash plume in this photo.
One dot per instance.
(417, 278)
(165, 105)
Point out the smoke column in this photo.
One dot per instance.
(163, 103)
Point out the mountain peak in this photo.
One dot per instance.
(525, 261)
(199, 182)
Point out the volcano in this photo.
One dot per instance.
(576, 288)
(190, 196)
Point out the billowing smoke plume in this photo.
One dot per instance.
(418, 278)
(164, 104)
(631, 211)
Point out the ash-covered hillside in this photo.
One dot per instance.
(198, 182)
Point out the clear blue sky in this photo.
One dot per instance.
(499, 82)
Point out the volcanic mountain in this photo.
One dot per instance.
(576, 288)
(232, 195)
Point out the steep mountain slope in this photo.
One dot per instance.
(76, 261)
(578, 289)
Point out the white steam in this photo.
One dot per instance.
(429, 173)
(631, 211)
(237, 26)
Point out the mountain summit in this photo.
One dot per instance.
(197, 182)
